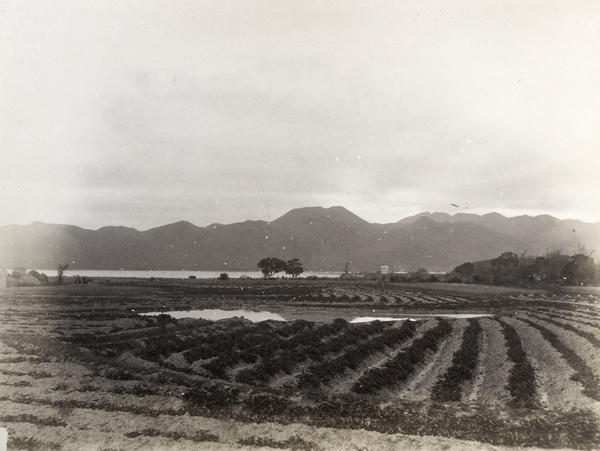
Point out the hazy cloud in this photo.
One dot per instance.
(144, 113)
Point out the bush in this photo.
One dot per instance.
(18, 272)
(223, 276)
(41, 277)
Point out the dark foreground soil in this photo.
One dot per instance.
(81, 369)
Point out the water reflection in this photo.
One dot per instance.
(318, 316)
(217, 314)
(368, 319)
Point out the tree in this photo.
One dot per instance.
(529, 270)
(552, 266)
(271, 265)
(503, 267)
(61, 272)
(294, 267)
(506, 260)
(41, 277)
(579, 270)
(346, 274)
(19, 272)
(223, 276)
(420, 275)
(466, 269)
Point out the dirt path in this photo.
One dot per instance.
(489, 386)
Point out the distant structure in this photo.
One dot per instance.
(3, 278)
(384, 270)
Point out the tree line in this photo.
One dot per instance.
(511, 269)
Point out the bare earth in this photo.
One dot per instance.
(80, 369)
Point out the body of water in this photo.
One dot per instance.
(108, 274)
(217, 314)
(309, 315)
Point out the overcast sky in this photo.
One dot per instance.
(143, 113)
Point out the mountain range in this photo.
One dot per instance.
(324, 239)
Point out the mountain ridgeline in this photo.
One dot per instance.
(324, 239)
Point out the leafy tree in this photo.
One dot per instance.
(223, 276)
(294, 267)
(271, 265)
(553, 264)
(346, 274)
(19, 272)
(420, 275)
(41, 277)
(61, 272)
(579, 270)
(503, 267)
(466, 269)
(505, 261)
(529, 269)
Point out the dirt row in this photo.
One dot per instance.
(95, 430)
(586, 350)
(60, 393)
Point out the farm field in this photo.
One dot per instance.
(82, 369)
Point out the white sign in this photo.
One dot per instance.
(3, 439)
(384, 269)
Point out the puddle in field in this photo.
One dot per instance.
(366, 319)
(217, 314)
(309, 315)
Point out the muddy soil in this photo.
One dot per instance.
(80, 369)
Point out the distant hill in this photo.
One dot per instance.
(323, 238)
(537, 234)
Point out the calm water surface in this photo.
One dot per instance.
(183, 274)
(309, 315)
